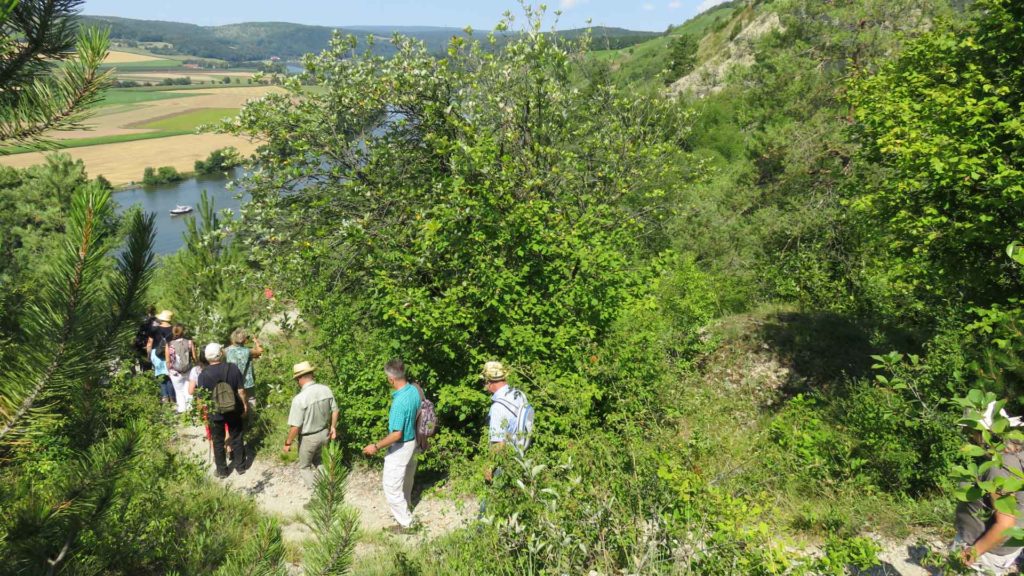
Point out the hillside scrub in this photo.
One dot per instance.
(499, 212)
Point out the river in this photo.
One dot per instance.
(160, 200)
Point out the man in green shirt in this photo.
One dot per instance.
(314, 415)
(400, 462)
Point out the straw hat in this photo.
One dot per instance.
(301, 368)
(165, 316)
(494, 372)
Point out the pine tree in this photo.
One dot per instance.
(49, 70)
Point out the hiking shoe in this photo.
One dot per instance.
(243, 466)
(222, 473)
(400, 530)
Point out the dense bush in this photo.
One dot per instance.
(220, 160)
(181, 81)
(162, 175)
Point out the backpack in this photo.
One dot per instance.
(426, 420)
(181, 356)
(520, 428)
(141, 335)
(222, 399)
(161, 347)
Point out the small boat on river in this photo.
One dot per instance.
(179, 209)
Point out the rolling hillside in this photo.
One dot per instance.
(251, 41)
(645, 61)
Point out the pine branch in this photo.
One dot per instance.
(44, 536)
(60, 101)
(335, 523)
(45, 31)
(262, 555)
(134, 273)
(60, 326)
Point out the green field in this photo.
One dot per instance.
(154, 65)
(119, 96)
(189, 121)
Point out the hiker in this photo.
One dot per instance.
(241, 356)
(227, 410)
(156, 349)
(142, 334)
(193, 374)
(314, 418)
(400, 462)
(181, 355)
(979, 526)
(511, 416)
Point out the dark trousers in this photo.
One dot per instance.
(236, 425)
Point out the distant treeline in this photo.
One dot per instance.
(263, 40)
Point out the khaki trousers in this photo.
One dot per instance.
(310, 448)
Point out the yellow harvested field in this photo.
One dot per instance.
(124, 121)
(124, 162)
(115, 57)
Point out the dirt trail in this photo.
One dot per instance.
(279, 491)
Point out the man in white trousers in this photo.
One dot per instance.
(400, 461)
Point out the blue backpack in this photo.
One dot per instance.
(520, 427)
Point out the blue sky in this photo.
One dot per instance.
(481, 14)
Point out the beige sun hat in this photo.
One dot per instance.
(494, 372)
(165, 316)
(213, 351)
(301, 368)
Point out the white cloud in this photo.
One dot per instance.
(568, 4)
(707, 4)
(648, 7)
(675, 4)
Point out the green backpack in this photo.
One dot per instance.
(222, 398)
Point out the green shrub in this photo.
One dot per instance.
(219, 161)
(162, 175)
(811, 446)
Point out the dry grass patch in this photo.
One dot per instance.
(115, 57)
(123, 163)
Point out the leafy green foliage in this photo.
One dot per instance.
(161, 175)
(514, 221)
(219, 161)
(945, 120)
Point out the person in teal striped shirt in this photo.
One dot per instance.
(400, 461)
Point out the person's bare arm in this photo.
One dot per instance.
(191, 387)
(149, 345)
(371, 449)
(334, 425)
(991, 539)
(257, 348)
(293, 432)
(245, 403)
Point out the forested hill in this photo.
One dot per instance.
(250, 41)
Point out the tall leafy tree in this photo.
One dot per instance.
(458, 209)
(945, 120)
